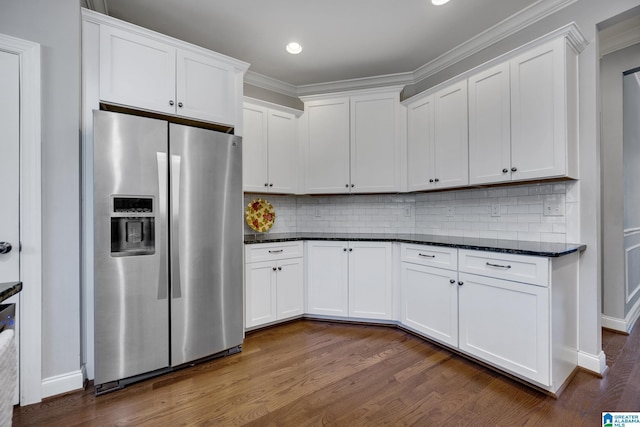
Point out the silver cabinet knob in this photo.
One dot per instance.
(460, 283)
(271, 185)
(436, 180)
(279, 268)
(431, 180)
(452, 281)
(273, 268)
(505, 170)
(171, 102)
(180, 104)
(5, 247)
(513, 169)
(266, 184)
(346, 186)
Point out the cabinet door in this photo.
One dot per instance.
(254, 149)
(137, 71)
(290, 295)
(205, 88)
(260, 280)
(375, 143)
(327, 278)
(430, 301)
(538, 112)
(327, 146)
(420, 161)
(451, 137)
(370, 280)
(283, 152)
(507, 324)
(490, 126)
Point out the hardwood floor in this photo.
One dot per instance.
(308, 373)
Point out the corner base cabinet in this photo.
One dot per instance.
(349, 279)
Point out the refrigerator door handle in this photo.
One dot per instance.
(176, 291)
(161, 159)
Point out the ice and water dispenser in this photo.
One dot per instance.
(132, 226)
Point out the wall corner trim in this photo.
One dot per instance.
(593, 362)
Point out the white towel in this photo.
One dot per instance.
(8, 376)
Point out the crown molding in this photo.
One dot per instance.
(617, 37)
(269, 83)
(356, 84)
(526, 17)
(267, 104)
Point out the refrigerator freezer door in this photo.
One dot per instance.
(207, 243)
(131, 303)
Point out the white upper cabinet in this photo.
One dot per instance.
(490, 126)
(353, 144)
(438, 140)
(205, 88)
(543, 112)
(327, 146)
(137, 71)
(269, 150)
(451, 143)
(146, 70)
(420, 136)
(522, 121)
(375, 143)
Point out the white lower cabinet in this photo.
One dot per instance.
(507, 324)
(430, 301)
(349, 279)
(274, 288)
(519, 313)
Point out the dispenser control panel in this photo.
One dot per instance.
(132, 226)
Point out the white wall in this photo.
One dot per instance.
(55, 25)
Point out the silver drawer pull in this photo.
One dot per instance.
(278, 251)
(498, 265)
(426, 255)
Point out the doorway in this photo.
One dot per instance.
(29, 245)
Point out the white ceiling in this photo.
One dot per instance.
(342, 39)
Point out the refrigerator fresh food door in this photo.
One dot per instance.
(207, 243)
(131, 252)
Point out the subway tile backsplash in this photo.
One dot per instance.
(531, 212)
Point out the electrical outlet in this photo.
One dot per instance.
(495, 209)
(317, 213)
(407, 211)
(552, 208)
(450, 211)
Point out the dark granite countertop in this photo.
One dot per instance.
(9, 289)
(545, 249)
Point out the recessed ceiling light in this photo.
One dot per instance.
(294, 48)
(439, 2)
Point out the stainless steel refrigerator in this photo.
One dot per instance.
(168, 246)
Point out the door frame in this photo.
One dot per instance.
(30, 217)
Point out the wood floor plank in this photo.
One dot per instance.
(310, 373)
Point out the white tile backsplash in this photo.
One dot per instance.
(521, 213)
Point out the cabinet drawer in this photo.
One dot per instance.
(519, 268)
(272, 251)
(434, 256)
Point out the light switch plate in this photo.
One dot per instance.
(495, 209)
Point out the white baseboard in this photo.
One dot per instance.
(63, 383)
(622, 325)
(592, 362)
(613, 323)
